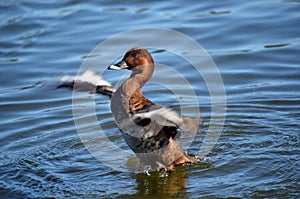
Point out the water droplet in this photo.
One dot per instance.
(206, 160)
(147, 169)
(163, 172)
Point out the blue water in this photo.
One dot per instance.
(255, 46)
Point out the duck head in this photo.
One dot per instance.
(138, 60)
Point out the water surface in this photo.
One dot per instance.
(255, 46)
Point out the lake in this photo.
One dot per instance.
(254, 46)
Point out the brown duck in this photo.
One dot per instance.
(150, 130)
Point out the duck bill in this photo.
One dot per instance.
(121, 65)
(114, 67)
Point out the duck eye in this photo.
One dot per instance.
(135, 55)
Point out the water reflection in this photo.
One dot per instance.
(166, 184)
(172, 185)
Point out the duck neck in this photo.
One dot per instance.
(137, 80)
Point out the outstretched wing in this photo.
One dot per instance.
(87, 81)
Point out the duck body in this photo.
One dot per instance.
(145, 125)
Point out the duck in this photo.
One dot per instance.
(150, 130)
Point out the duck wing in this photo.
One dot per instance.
(167, 117)
(87, 81)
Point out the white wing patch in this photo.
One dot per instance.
(88, 76)
(168, 117)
